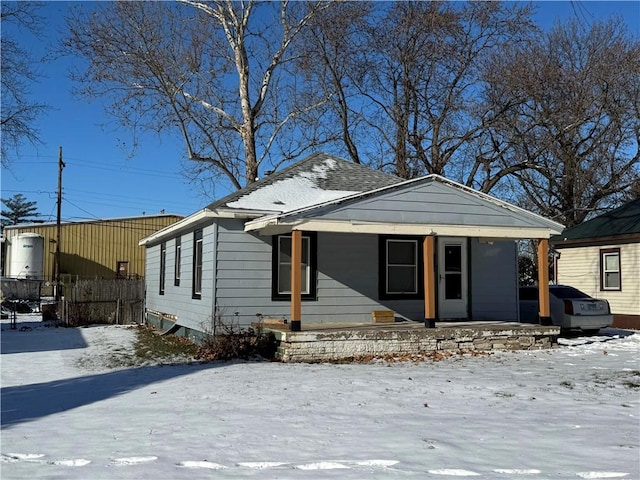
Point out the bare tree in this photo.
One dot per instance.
(18, 71)
(412, 73)
(330, 48)
(212, 71)
(574, 117)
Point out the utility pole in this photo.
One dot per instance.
(61, 165)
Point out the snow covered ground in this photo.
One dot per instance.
(573, 412)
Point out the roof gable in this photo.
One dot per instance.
(314, 180)
(436, 201)
(432, 203)
(624, 220)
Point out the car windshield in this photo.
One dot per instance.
(566, 292)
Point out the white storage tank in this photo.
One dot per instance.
(26, 256)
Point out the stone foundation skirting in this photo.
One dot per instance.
(353, 344)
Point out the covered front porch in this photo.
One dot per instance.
(437, 281)
(405, 340)
(439, 247)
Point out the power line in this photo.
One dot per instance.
(106, 166)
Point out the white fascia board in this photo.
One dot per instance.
(198, 217)
(172, 229)
(515, 233)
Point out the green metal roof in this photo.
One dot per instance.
(624, 220)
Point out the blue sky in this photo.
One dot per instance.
(102, 180)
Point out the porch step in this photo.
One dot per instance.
(383, 316)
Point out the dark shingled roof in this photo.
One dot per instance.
(624, 220)
(347, 176)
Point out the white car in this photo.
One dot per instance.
(570, 309)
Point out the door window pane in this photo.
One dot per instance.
(453, 258)
(453, 272)
(453, 286)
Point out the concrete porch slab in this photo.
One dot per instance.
(327, 342)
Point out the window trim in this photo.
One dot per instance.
(196, 277)
(312, 294)
(383, 266)
(603, 254)
(163, 268)
(177, 261)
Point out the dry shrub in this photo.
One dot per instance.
(237, 343)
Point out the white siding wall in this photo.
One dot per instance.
(580, 268)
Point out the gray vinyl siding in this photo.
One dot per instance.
(494, 280)
(430, 203)
(177, 300)
(243, 284)
(347, 279)
(348, 282)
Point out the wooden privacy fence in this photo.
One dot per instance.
(14, 289)
(119, 302)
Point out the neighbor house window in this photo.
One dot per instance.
(281, 285)
(178, 255)
(610, 269)
(197, 264)
(163, 263)
(400, 268)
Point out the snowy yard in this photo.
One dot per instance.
(573, 412)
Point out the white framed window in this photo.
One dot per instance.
(163, 264)
(197, 265)
(178, 259)
(610, 273)
(400, 268)
(281, 285)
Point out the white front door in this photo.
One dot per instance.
(452, 277)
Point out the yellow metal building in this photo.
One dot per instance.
(93, 249)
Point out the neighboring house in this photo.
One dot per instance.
(601, 257)
(427, 249)
(88, 249)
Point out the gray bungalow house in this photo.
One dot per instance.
(327, 240)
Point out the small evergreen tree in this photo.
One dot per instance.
(18, 210)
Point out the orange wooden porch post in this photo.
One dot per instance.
(428, 248)
(296, 280)
(543, 281)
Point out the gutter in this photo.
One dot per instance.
(197, 218)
